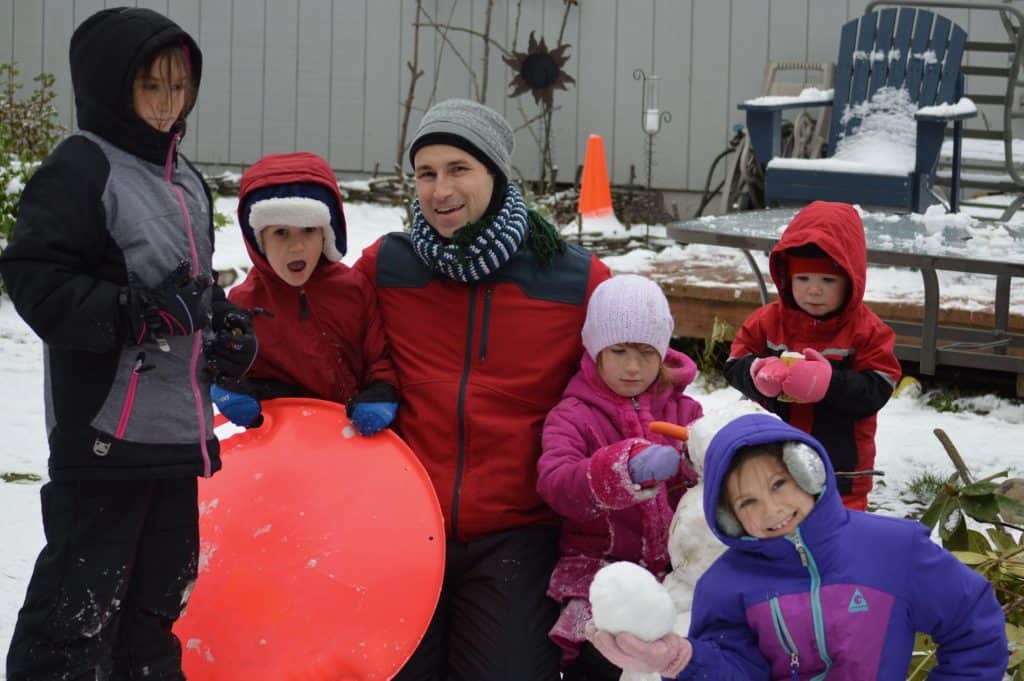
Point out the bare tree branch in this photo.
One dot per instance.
(565, 20)
(527, 123)
(463, 29)
(515, 26)
(487, 49)
(414, 75)
(443, 30)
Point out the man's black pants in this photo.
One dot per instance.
(493, 617)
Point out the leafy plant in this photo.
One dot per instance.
(219, 219)
(943, 402)
(957, 400)
(28, 126)
(995, 550)
(924, 487)
(709, 359)
(28, 132)
(20, 477)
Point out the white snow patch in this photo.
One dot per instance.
(965, 105)
(207, 506)
(810, 95)
(602, 222)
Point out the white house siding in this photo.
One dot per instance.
(331, 75)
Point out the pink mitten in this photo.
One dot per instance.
(768, 374)
(808, 380)
(667, 656)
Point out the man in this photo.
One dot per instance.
(483, 304)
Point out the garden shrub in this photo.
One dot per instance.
(29, 129)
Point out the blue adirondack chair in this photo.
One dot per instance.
(905, 48)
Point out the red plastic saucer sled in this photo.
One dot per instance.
(321, 553)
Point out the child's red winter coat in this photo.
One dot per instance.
(326, 336)
(859, 345)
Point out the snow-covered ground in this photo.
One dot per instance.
(906, 445)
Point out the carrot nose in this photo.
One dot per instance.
(670, 429)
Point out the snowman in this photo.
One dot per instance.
(626, 597)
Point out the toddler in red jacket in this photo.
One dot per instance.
(318, 324)
(818, 356)
(614, 481)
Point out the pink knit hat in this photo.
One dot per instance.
(627, 309)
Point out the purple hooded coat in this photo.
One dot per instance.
(583, 475)
(842, 597)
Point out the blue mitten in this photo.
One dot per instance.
(370, 417)
(239, 408)
(374, 408)
(654, 463)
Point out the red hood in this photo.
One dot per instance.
(284, 169)
(835, 228)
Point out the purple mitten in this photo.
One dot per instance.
(769, 373)
(667, 656)
(808, 380)
(654, 463)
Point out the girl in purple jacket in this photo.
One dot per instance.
(809, 589)
(615, 483)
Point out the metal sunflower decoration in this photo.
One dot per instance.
(539, 71)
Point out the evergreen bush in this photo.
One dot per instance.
(29, 129)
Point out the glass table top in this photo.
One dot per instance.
(957, 239)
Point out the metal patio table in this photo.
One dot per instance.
(902, 241)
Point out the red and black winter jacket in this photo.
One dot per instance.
(859, 345)
(326, 336)
(480, 365)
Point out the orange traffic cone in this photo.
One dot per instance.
(595, 191)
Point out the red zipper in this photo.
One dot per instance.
(129, 398)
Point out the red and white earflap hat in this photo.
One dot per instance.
(294, 211)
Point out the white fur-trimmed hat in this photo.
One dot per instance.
(294, 211)
(627, 308)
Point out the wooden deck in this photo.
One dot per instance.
(730, 294)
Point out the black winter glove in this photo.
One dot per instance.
(267, 388)
(229, 317)
(232, 349)
(229, 355)
(175, 307)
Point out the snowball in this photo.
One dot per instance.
(626, 597)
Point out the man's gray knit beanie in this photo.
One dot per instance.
(482, 127)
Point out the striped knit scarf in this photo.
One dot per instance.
(478, 249)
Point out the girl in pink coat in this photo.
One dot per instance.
(615, 483)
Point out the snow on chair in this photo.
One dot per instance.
(897, 85)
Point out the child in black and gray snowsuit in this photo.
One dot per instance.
(110, 263)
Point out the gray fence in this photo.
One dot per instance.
(332, 76)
